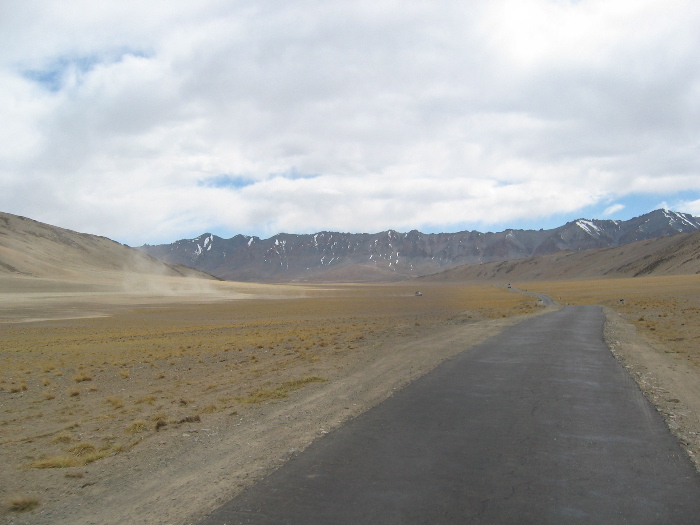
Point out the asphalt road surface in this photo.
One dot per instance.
(539, 424)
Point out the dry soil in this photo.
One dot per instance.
(155, 402)
(145, 407)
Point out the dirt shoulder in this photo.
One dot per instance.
(181, 475)
(669, 381)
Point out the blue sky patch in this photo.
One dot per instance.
(52, 75)
(294, 174)
(227, 181)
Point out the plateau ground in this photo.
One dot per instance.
(105, 417)
(133, 388)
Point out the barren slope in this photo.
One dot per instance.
(674, 255)
(32, 249)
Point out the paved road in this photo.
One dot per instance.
(537, 425)
(544, 299)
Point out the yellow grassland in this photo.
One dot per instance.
(116, 380)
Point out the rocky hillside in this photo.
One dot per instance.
(32, 249)
(671, 255)
(390, 255)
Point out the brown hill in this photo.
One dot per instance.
(32, 249)
(672, 255)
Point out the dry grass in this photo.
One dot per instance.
(22, 503)
(79, 455)
(63, 437)
(83, 449)
(82, 376)
(155, 369)
(64, 461)
(136, 427)
(116, 402)
(262, 394)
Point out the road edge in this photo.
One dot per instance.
(665, 380)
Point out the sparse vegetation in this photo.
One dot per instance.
(64, 461)
(158, 369)
(190, 419)
(137, 426)
(82, 449)
(23, 504)
(82, 376)
(116, 402)
(63, 437)
(262, 394)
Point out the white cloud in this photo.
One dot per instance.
(356, 116)
(688, 206)
(612, 210)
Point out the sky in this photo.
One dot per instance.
(149, 122)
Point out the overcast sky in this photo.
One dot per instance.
(149, 122)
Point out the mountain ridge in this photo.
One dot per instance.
(670, 255)
(391, 255)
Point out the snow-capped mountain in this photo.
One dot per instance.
(391, 255)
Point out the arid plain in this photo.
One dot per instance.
(156, 407)
(137, 392)
(162, 406)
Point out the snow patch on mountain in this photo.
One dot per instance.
(289, 257)
(589, 227)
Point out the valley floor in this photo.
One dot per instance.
(162, 406)
(157, 408)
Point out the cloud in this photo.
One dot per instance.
(151, 122)
(612, 210)
(686, 206)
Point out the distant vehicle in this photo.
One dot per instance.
(418, 294)
(509, 286)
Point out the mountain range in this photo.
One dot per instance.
(390, 255)
(669, 255)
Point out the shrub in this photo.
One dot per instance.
(57, 462)
(63, 437)
(23, 504)
(116, 402)
(82, 376)
(136, 427)
(82, 449)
